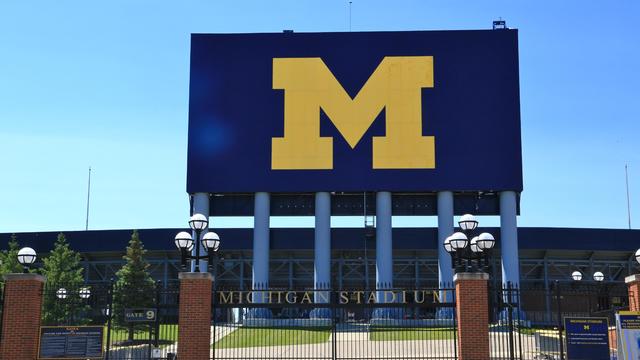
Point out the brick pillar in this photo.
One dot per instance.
(21, 316)
(633, 285)
(194, 323)
(472, 308)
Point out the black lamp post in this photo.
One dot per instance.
(185, 243)
(600, 289)
(469, 255)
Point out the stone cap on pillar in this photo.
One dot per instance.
(23, 277)
(195, 276)
(632, 278)
(470, 276)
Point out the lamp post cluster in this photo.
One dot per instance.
(469, 256)
(186, 244)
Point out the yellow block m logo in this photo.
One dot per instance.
(395, 85)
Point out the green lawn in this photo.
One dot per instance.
(400, 334)
(250, 337)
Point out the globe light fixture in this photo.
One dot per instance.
(85, 293)
(576, 275)
(447, 245)
(183, 240)
(211, 241)
(458, 241)
(61, 293)
(26, 257)
(468, 222)
(198, 222)
(486, 241)
(598, 276)
(474, 245)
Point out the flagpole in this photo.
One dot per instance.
(86, 225)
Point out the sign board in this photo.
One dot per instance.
(359, 111)
(628, 328)
(587, 338)
(140, 315)
(71, 342)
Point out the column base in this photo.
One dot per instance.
(388, 313)
(321, 313)
(517, 315)
(259, 313)
(445, 313)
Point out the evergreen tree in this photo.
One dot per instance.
(134, 287)
(63, 270)
(9, 258)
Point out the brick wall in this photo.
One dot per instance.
(21, 316)
(194, 324)
(472, 307)
(633, 284)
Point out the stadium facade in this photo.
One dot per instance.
(376, 125)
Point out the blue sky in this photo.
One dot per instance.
(105, 84)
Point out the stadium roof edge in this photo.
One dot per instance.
(161, 239)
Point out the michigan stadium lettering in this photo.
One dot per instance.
(338, 297)
(394, 86)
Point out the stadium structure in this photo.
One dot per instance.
(364, 124)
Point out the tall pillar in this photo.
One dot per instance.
(509, 238)
(194, 318)
(261, 214)
(445, 273)
(21, 313)
(445, 229)
(322, 261)
(200, 206)
(384, 245)
(472, 307)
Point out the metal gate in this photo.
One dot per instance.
(527, 323)
(104, 305)
(385, 323)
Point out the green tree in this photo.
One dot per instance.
(63, 270)
(9, 258)
(134, 287)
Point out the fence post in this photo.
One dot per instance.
(472, 308)
(194, 322)
(22, 315)
(633, 287)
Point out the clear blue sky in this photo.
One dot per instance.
(106, 84)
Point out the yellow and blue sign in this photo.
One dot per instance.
(628, 335)
(587, 338)
(395, 111)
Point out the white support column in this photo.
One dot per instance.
(322, 261)
(200, 206)
(509, 238)
(261, 242)
(384, 243)
(445, 228)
